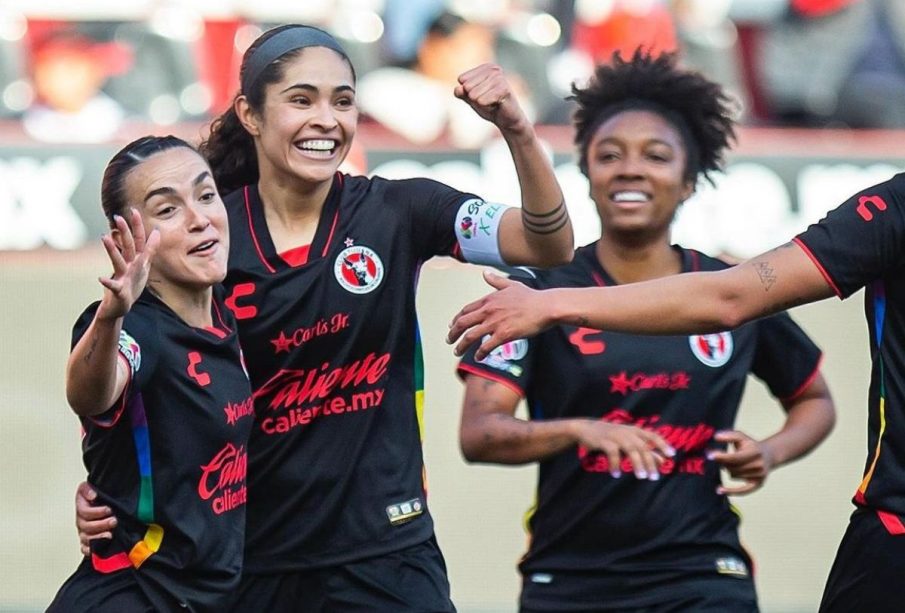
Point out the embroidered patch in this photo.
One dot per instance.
(731, 566)
(358, 269)
(130, 350)
(504, 357)
(402, 512)
(712, 349)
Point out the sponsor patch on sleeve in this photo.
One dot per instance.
(477, 228)
(129, 349)
(506, 357)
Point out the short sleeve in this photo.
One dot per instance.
(786, 359)
(861, 240)
(134, 353)
(433, 208)
(510, 363)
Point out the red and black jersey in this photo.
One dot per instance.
(862, 244)
(334, 355)
(685, 388)
(170, 458)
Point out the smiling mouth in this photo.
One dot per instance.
(204, 248)
(321, 147)
(629, 197)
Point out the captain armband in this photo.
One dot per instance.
(477, 231)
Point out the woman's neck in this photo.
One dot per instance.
(292, 211)
(632, 261)
(193, 306)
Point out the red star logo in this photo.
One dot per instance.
(281, 344)
(620, 384)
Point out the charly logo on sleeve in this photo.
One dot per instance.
(358, 269)
(712, 349)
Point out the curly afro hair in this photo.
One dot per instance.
(699, 108)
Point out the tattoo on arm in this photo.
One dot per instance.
(766, 274)
(90, 352)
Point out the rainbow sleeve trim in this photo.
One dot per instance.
(150, 544)
(879, 291)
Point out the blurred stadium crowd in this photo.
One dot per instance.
(78, 72)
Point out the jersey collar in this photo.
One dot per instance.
(323, 236)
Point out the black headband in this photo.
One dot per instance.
(278, 45)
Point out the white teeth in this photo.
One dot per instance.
(203, 246)
(630, 197)
(318, 145)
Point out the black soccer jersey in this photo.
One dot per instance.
(334, 354)
(170, 459)
(862, 244)
(685, 388)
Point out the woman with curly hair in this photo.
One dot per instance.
(611, 534)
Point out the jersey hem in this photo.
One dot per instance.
(273, 565)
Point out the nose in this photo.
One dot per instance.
(630, 167)
(324, 115)
(196, 219)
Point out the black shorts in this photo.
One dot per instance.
(407, 581)
(867, 572)
(593, 593)
(90, 591)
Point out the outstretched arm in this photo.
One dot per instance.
(693, 302)
(541, 234)
(490, 432)
(810, 417)
(95, 375)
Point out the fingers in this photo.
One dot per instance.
(138, 231)
(100, 529)
(497, 281)
(739, 490)
(491, 340)
(128, 243)
(116, 258)
(152, 245)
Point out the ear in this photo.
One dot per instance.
(688, 190)
(117, 237)
(247, 117)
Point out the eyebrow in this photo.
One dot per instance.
(652, 141)
(161, 191)
(312, 88)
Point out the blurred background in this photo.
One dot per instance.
(820, 86)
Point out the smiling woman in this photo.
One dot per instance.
(322, 275)
(153, 365)
(632, 533)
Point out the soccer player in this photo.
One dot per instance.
(155, 375)
(616, 535)
(322, 279)
(857, 245)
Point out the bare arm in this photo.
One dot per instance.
(541, 233)
(490, 432)
(95, 375)
(809, 420)
(678, 304)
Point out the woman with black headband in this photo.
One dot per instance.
(618, 534)
(322, 278)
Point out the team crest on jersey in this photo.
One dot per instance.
(502, 357)
(712, 349)
(358, 269)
